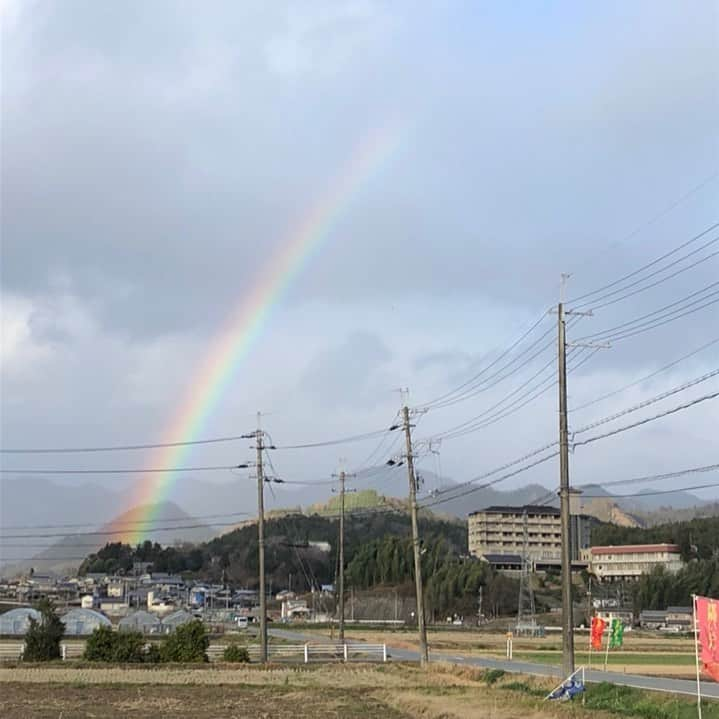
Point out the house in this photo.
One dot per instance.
(628, 562)
(652, 619)
(680, 617)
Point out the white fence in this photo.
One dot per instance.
(303, 653)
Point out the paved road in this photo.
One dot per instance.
(710, 690)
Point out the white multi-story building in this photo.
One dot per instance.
(630, 561)
(496, 534)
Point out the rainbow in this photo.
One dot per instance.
(244, 327)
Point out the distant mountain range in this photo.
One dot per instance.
(49, 505)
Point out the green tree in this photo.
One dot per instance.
(236, 653)
(42, 641)
(188, 643)
(106, 645)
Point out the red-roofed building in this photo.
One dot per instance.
(630, 561)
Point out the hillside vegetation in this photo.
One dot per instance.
(378, 554)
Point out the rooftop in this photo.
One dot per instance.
(636, 549)
(530, 509)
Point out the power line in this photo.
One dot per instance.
(128, 522)
(112, 532)
(333, 442)
(514, 462)
(489, 484)
(159, 445)
(641, 269)
(549, 446)
(614, 332)
(487, 384)
(117, 448)
(653, 493)
(645, 378)
(522, 401)
(641, 422)
(648, 402)
(657, 477)
(674, 274)
(471, 380)
(153, 470)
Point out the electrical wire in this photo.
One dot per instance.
(501, 468)
(514, 344)
(652, 493)
(333, 442)
(639, 290)
(112, 532)
(214, 440)
(222, 468)
(641, 422)
(648, 402)
(471, 490)
(487, 383)
(614, 332)
(645, 378)
(641, 269)
(126, 523)
(521, 402)
(656, 477)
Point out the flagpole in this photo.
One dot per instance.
(696, 656)
(609, 636)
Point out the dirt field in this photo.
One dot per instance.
(340, 692)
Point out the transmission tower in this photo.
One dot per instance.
(526, 618)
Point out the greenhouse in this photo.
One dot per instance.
(174, 620)
(17, 621)
(83, 621)
(140, 621)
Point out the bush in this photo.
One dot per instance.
(105, 645)
(493, 675)
(153, 655)
(188, 643)
(42, 641)
(236, 653)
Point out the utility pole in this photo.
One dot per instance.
(259, 446)
(341, 558)
(341, 582)
(423, 652)
(567, 615)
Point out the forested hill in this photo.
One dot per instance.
(697, 538)
(305, 546)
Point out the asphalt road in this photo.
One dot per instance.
(710, 690)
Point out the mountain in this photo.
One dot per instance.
(37, 500)
(674, 500)
(169, 525)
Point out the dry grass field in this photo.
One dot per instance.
(393, 691)
(643, 652)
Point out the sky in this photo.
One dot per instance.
(157, 157)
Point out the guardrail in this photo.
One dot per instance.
(307, 653)
(304, 653)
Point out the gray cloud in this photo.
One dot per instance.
(157, 158)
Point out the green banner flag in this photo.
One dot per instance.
(616, 636)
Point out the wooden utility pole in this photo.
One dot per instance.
(567, 613)
(259, 446)
(423, 652)
(341, 579)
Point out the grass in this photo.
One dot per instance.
(615, 658)
(390, 691)
(625, 701)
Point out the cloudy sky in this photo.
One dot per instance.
(159, 158)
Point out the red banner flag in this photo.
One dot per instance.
(598, 625)
(708, 625)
